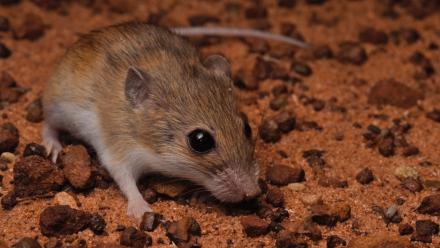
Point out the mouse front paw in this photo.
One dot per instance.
(137, 209)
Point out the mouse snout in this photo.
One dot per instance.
(251, 192)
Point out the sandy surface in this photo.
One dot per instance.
(32, 62)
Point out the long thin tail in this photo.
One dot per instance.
(238, 32)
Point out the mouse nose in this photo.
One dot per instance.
(252, 194)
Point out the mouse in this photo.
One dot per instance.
(145, 100)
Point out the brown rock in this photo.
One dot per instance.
(424, 231)
(430, 205)
(254, 226)
(278, 102)
(62, 220)
(333, 182)
(31, 28)
(200, 20)
(134, 238)
(108, 245)
(283, 175)
(9, 201)
(97, 224)
(302, 69)
(386, 146)
(181, 231)
(77, 166)
(149, 195)
(275, 197)
(169, 189)
(34, 149)
(334, 241)
(269, 131)
(4, 24)
(287, 239)
(412, 184)
(373, 36)
(9, 95)
(6, 80)
(9, 138)
(394, 93)
(304, 229)
(434, 115)
(150, 221)
(405, 229)
(365, 176)
(34, 111)
(5, 52)
(34, 175)
(286, 121)
(410, 151)
(351, 53)
(53, 243)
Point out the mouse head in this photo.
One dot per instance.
(188, 113)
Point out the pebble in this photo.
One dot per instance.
(150, 221)
(394, 93)
(403, 172)
(287, 239)
(31, 28)
(283, 175)
(310, 200)
(322, 52)
(410, 151)
(149, 195)
(76, 164)
(34, 111)
(297, 187)
(171, 190)
(97, 224)
(200, 20)
(182, 232)
(27, 243)
(62, 220)
(386, 146)
(4, 24)
(365, 176)
(314, 159)
(334, 241)
(286, 121)
(254, 226)
(434, 115)
(5, 52)
(406, 35)
(6, 80)
(286, 3)
(405, 229)
(411, 184)
(333, 182)
(9, 137)
(351, 53)
(278, 102)
(34, 149)
(373, 36)
(256, 12)
(8, 157)
(424, 231)
(269, 131)
(34, 175)
(64, 198)
(134, 238)
(9, 200)
(275, 197)
(302, 69)
(53, 243)
(430, 205)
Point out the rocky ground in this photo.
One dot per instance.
(346, 132)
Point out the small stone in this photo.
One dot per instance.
(326, 181)
(394, 93)
(27, 243)
(269, 131)
(297, 187)
(302, 69)
(304, 229)
(254, 226)
(35, 111)
(424, 230)
(405, 229)
(434, 115)
(282, 175)
(9, 201)
(200, 20)
(4, 24)
(34, 175)
(430, 205)
(34, 149)
(76, 165)
(287, 239)
(280, 214)
(256, 12)
(410, 151)
(181, 231)
(310, 200)
(171, 190)
(275, 197)
(5, 52)
(373, 36)
(278, 102)
(64, 198)
(149, 195)
(365, 176)
(407, 35)
(322, 52)
(53, 243)
(411, 184)
(97, 224)
(386, 146)
(432, 183)
(9, 138)
(8, 157)
(62, 220)
(133, 238)
(403, 172)
(334, 241)
(32, 28)
(6, 80)
(286, 3)
(351, 53)
(150, 221)
(286, 121)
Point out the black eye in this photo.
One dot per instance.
(201, 141)
(247, 130)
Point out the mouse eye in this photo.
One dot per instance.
(247, 130)
(201, 141)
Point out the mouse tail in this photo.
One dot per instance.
(238, 32)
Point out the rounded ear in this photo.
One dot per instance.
(218, 63)
(137, 86)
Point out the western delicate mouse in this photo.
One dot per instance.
(142, 98)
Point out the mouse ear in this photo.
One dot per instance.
(136, 86)
(218, 63)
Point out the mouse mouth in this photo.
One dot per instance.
(232, 187)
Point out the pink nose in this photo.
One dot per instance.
(251, 194)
